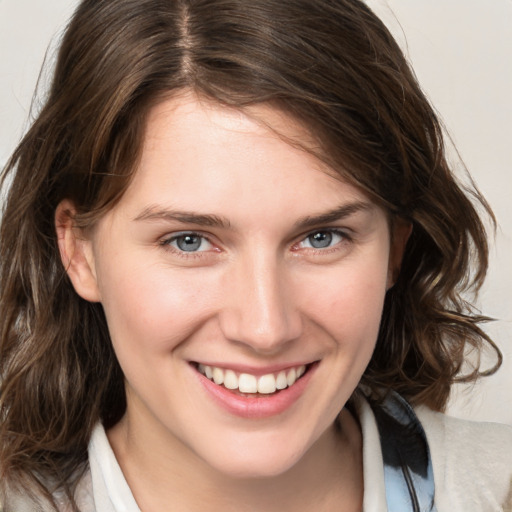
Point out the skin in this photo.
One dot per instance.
(255, 293)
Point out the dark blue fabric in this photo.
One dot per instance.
(408, 473)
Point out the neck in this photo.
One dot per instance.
(328, 477)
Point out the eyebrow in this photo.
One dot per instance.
(155, 213)
(334, 215)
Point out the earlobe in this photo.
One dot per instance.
(401, 231)
(76, 253)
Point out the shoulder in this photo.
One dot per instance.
(472, 462)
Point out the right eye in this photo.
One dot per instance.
(188, 243)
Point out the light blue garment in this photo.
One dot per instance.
(408, 473)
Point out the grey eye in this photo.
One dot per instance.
(320, 239)
(323, 239)
(188, 243)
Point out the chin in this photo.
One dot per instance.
(254, 460)
(257, 470)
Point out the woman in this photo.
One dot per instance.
(232, 252)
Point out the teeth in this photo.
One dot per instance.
(247, 383)
(281, 381)
(218, 376)
(267, 384)
(230, 380)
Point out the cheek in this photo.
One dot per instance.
(349, 303)
(153, 306)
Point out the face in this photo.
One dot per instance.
(243, 287)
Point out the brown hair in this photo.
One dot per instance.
(329, 63)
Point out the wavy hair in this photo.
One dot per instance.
(332, 65)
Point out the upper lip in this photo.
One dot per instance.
(254, 370)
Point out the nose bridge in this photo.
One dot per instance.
(261, 311)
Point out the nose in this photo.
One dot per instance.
(259, 309)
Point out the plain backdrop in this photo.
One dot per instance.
(461, 51)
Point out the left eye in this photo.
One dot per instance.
(322, 239)
(189, 242)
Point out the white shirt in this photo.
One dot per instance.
(472, 467)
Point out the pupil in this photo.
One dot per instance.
(321, 239)
(189, 243)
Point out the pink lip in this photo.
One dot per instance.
(261, 406)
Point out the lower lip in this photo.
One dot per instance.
(260, 406)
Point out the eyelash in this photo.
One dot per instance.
(166, 243)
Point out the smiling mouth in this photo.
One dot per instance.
(246, 384)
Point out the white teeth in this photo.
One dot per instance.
(247, 383)
(218, 376)
(267, 384)
(281, 382)
(230, 379)
(291, 377)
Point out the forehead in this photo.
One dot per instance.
(209, 119)
(260, 120)
(198, 153)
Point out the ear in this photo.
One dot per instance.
(401, 230)
(76, 252)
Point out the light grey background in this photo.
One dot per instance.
(462, 53)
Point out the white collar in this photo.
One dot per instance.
(110, 489)
(112, 493)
